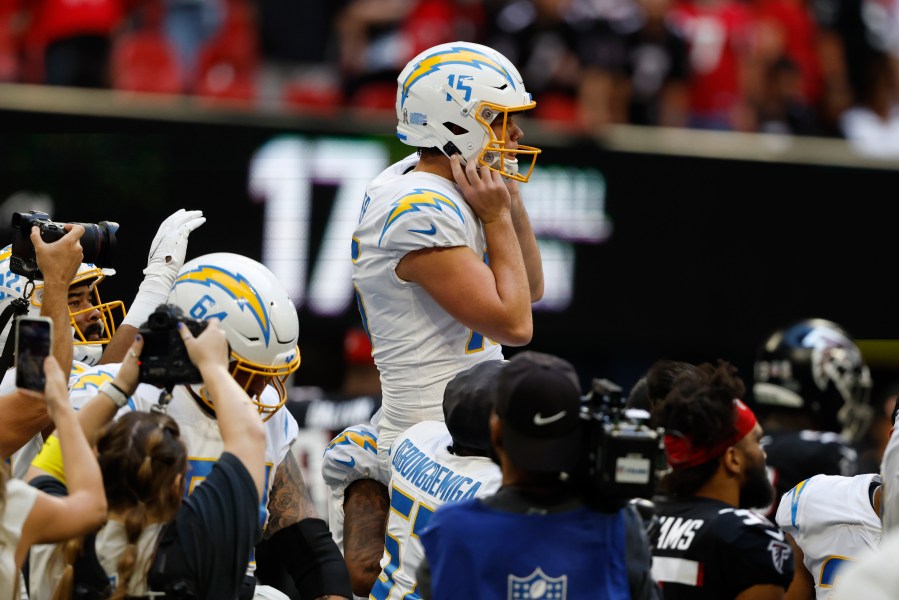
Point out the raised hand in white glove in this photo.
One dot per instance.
(167, 253)
(169, 247)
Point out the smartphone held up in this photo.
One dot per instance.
(33, 339)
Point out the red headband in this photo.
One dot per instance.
(681, 453)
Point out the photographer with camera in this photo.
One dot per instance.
(261, 325)
(153, 540)
(539, 535)
(22, 418)
(710, 543)
(87, 330)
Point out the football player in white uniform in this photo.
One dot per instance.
(445, 263)
(434, 463)
(832, 519)
(260, 321)
(357, 502)
(94, 333)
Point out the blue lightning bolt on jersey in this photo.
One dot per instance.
(417, 345)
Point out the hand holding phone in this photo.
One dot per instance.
(33, 340)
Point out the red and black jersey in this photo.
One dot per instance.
(707, 549)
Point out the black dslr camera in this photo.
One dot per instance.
(623, 454)
(98, 241)
(164, 361)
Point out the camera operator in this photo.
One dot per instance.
(203, 542)
(23, 418)
(709, 543)
(538, 534)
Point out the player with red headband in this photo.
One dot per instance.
(709, 543)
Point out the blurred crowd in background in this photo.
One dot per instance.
(803, 67)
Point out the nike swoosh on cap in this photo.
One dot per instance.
(541, 420)
(430, 231)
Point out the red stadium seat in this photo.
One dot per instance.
(144, 61)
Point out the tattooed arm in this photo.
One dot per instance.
(301, 540)
(365, 507)
(289, 499)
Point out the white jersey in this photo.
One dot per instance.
(21, 458)
(417, 346)
(199, 431)
(350, 456)
(889, 470)
(831, 519)
(424, 476)
(874, 575)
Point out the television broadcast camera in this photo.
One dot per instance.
(98, 241)
(623, 455)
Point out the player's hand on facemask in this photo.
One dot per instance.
(483, 189)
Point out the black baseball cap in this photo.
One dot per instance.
(468, 401)
(538, 401)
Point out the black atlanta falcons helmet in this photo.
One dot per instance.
(813, 366)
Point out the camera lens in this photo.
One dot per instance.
(99, 242)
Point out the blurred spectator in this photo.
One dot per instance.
(779, 104)
(657, 68)
(189, 25)
(872, 124)
(298, 45)
(68, 42)
(378, 37)
(544, 39)
(228, 62)
(718, 34)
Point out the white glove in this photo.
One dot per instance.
(167, 252)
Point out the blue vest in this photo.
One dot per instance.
(476, 552)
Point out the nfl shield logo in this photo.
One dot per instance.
(538, 585)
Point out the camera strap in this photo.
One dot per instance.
(165, 397)
(17, 308)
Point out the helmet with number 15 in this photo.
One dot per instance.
(450, 96)
(257, 315)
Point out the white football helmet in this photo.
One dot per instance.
(256, 313)
(448, 96)
(86, 350)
